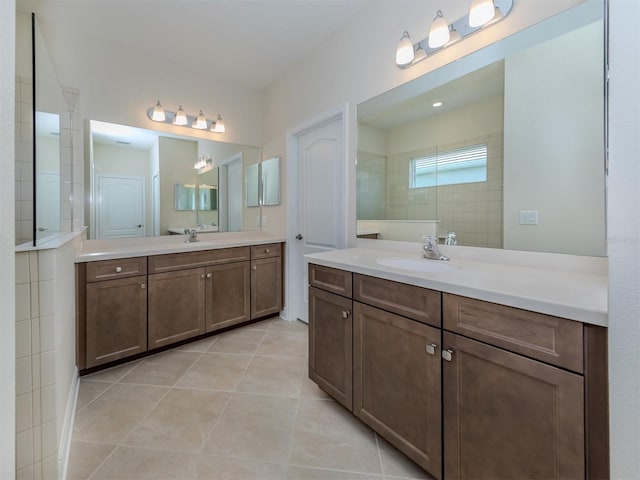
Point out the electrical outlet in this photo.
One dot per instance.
(528, 217)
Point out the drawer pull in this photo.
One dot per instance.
(431, 348)
(202, 275)
(266, 250)
(209, 275)
(346, 314)
(143, 285)
(447, 354)
(118, 269)
(255, 267)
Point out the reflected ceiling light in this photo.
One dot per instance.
(200, 122)
(437, 104)
(181, 117)
(404, 52)
(218, 125)
(439, 32)
(481, 12)
(158, 113)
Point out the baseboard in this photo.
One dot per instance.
(67, 427)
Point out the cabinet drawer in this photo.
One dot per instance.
(331, 279)
(554, 340)
(120, 268)
(417, 303)
(179, 261)
(264, 251)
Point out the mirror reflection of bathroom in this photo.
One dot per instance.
(145, 183)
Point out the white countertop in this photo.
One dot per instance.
(93, 250)
(561, 285)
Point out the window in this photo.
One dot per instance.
(462, 165)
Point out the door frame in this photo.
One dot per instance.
(347, 227)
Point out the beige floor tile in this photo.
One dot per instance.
(238, 341)
(254, 427)
(327, 436)
(89, 391)
(306, 473)
(396, 464)
(283, 343)
(200, 346)
(215, 371)
(181, 421)
(162, 369)
(261, 326)
(113, 374)
(281, 325)
(310, 389)
(210, 468)
(113, 415)
(129, 463)
(85, 457)
(273, 375)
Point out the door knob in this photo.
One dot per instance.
(139, 225)
(299, 236)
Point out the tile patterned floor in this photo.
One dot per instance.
(237, 405)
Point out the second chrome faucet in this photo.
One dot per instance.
(431, 249)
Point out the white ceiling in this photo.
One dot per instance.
(250, 42)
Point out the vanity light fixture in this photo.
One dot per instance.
(439, 32)
(482, 14)
(158, 113)
(180, 118)
(203, 162)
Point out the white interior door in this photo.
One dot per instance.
(48, 204)
(120, 207)
(320, 204)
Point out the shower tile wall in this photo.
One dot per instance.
(473, 210)
(24, 160)
(371, 186)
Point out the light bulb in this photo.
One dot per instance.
(439, 31)
(404, 52)
(218, 125)
(200, 122)
(481, 12)
(158, 113)
(181, 117)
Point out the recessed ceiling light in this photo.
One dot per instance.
(437, 104)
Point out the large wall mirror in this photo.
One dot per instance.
(48, 105)
(141, 183)
(504, 147)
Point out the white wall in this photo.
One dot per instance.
(7, 239)
(623, 242)
(540, 147)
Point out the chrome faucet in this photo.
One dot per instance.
(431, 250)
(450, 239)
(193, 235)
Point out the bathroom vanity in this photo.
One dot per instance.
(476, 371)
(128, 304)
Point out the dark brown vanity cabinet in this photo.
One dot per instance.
(266, 280)
(112, 296)
(228, 299)
(468, 389)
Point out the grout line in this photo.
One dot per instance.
(379, 452)
(103, 462)
(92, 400)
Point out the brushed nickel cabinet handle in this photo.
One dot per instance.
(255, 267)
(346, 314)
(209, 275)
(118, 269)
(143, 285)
(202, 275)
(266, 250)
(431, 348)
(447, 354)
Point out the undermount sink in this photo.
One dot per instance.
(417, 264)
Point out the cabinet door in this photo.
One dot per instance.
(507, 416)
(330, 344)
(228, 295)
(176, 306)
(266, 286)
(396, 367)
(116, 319)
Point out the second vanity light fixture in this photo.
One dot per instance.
(482, 13)
(180, 118)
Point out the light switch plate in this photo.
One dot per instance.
(528, 217)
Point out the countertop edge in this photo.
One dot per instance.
(584, 315)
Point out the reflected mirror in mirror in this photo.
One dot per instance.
(184, 197)
(131, 176)
(500, 147)
(252, 186)
(270, 181)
